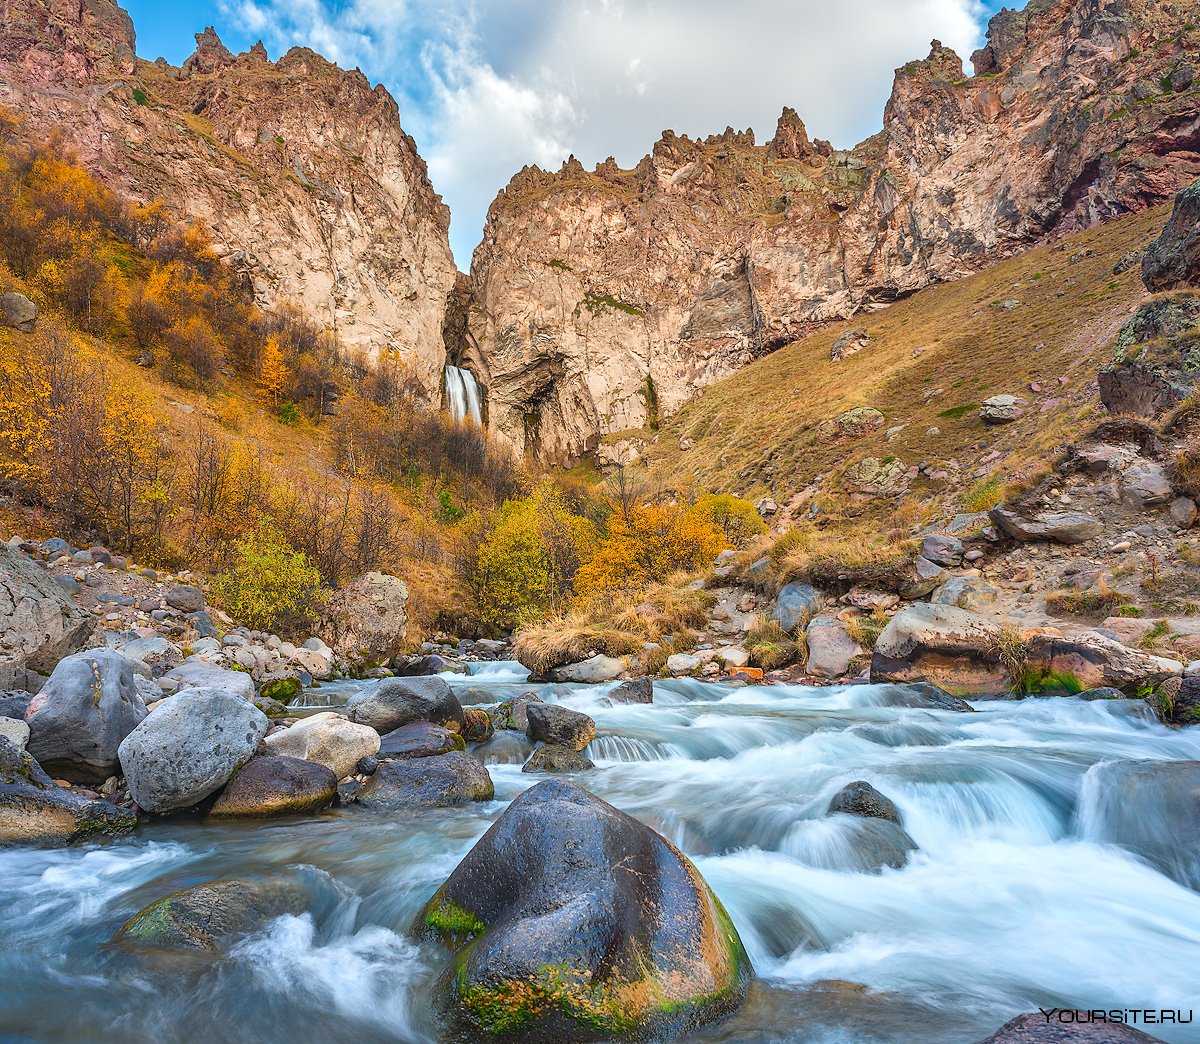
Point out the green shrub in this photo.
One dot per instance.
(269, 584)
(139, 96)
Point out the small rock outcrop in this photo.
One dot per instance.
(39, 623)
(17, 312)
(79, 718)
(573, 921)
(189, 748)
(1172, 261)
(398, 701)
(950, 647)
(1063, 527)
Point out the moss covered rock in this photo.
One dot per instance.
(573, 921)
(267, 787)
(208, 917)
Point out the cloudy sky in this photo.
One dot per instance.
(486, 86)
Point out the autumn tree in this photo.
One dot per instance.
(272, 373)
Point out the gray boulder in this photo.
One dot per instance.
(861, 799)
(966, 592)
(595, 670)
(17, 312)
(200, 674)
(950, 647)
(923, 578)
(1172, 261)
(1063, 527)
(553, 723)
(398, 701)
(189, 748)
(187, 598)
(831, 650)
(79, 718)
(1001, 409)
(639, 690)
(435, 782)
(795, 602)
(513, 713)
(418, 739)
(1183, 512)
(1145, 484)
(365, 621)
(39, 624)
(942, 550)
(553, 757)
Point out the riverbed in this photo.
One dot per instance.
(1014, 898)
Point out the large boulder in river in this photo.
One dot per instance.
(268, 787)
(513, 713)
(553, 723)
(366, 620)
(397, 701)
(39, 624)
(326, 739)
(207, 918)
(1172, 261)
(79, 718)
(861, 799)
(1054, 665)
(1151, 808)
(572, 921)
(1066, 1026)
(33, 810)
(950, 647)
(637, 690)
(435, 782)
(554, 757)
(189, 748)
(1063, 527)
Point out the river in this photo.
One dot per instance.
(1014, 898)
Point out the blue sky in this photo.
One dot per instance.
(485, 86)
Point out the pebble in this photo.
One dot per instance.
(1124, 545)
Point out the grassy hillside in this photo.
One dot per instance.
(1045, 318)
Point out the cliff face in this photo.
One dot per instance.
(601, 298)
(299, 169)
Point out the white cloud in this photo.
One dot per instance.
(487, 86)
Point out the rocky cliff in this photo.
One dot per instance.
(299, 169)
(601, 299)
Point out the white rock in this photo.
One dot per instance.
(15, 731)
(327, 739)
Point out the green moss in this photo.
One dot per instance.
(597, 303)
(139, 96)
(151, 923)
(560, 264)
(518, 1004)
(957, 412)
(1047, 683)
(282, 689)
(445, 918)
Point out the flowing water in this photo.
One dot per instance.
(462, 395)
(1014, 897)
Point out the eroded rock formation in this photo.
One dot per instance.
(299, 169)
(604, 298)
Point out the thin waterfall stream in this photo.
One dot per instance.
(462, 395)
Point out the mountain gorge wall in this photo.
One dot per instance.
(601, 299)
(299, 169)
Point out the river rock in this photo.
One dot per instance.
(637, 690)
(575, 922)
(15, 731)
(1145, 484)
(795, 603)
(861, 799)
(326, 739)
(926, 696)
(200, 674)
(513, 713)
(33, 810)
(79, 718)
(189, 748)
(365, 621)
(447, 779)
(831, 650)
(950, 647)
(554, 723)
(209, 917)
(1056, 665)
(680, 664)
(1150, 808)
(922, 578)
(555, 757)
(397, 701)
(1064, 527)
(419, 739)
(477, 725)
(966, 592)
(154, 651)
(1066, 1026)
(595, 670)
(271, 786)
(434, 663)
(187, 598)
(15, 704)
(1183, 512)
(39, 623)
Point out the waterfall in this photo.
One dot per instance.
(462, 395)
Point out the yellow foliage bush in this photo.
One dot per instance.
(269, 584)
(733, 516)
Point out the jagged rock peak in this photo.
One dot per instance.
(791, 137)
(942, 64)
(210, 55)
